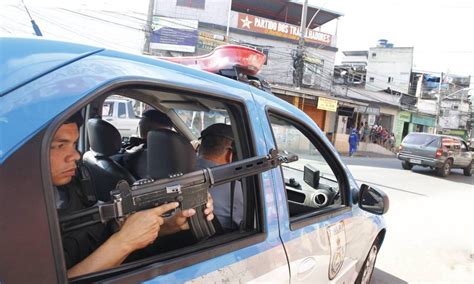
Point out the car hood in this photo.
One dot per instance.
(24, 59)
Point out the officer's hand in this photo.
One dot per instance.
(142, 228)
(179, 221)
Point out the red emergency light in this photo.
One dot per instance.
(248, 60)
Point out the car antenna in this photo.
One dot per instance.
(33, 23)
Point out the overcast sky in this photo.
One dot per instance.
(440, 31)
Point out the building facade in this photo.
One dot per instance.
(389, 68)
(189, 28)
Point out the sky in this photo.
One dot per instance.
(440, 31)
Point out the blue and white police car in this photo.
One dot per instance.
(305, 221)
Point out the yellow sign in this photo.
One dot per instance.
(327, 104)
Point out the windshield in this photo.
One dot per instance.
(421, 139)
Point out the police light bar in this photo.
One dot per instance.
(224, 57)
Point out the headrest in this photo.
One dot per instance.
(104, 137)
(169, 153)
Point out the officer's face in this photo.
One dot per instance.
(63, 154)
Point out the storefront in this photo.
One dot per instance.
(366, 114)
(320, 109)
(402, 126)
(423, 123)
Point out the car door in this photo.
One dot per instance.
(464, 156)
(31, 247)
(323, 243)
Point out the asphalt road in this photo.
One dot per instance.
(430, 235)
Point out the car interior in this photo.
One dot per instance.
(102, 148)
(310, 185)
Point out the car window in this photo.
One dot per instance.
(447, 143)
(244, 204)
(420, 139)
(122, 113)
(457, 144)
(311, 184)
(107, 109)
(131, 111)
(463, 147)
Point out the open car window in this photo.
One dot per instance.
(107, 163)
(311, 184)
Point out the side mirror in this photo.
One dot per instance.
(373, 200)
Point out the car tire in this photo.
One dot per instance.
(406, 165)
(468, 170)
(368, 267)
(445, 170)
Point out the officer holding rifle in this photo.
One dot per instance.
(100, 246)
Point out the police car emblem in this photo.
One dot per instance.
(337, 245)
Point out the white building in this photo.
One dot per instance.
(389, 68)
(356, 58)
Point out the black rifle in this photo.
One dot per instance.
(190, 190)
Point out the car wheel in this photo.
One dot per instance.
(445, 170)
(406, 165)
(468, 170)
(367, 269)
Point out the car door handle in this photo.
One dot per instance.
(306, 267)
(109, 119)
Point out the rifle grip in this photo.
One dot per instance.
(201, 228)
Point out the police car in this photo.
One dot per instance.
(305, 221)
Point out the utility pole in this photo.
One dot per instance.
(228, 22)
(438, 104)
(148, 27)
(298, 59)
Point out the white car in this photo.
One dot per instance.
(119, 112)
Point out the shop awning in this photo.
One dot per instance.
(312, 94)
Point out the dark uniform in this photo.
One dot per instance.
(80, 243)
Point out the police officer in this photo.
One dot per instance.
(217, 149)
(99, 247)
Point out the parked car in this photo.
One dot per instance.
(119, 112)
(439, 152)
(307, 221)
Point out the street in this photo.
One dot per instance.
(430, 227)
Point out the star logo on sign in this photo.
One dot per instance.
(246, 22)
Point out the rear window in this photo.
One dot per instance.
(421, 139)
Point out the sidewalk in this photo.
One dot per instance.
(364, 154)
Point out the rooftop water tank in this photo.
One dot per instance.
(382, 43)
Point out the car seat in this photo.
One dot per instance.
(105, 141)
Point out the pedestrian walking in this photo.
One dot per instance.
(353, 141)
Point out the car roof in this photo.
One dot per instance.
(436, 135)
(24, 59)
(46, 90)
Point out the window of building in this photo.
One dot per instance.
(389, 80)
(313, 186)
(371, 79)
(199, 4)
(374, 54)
